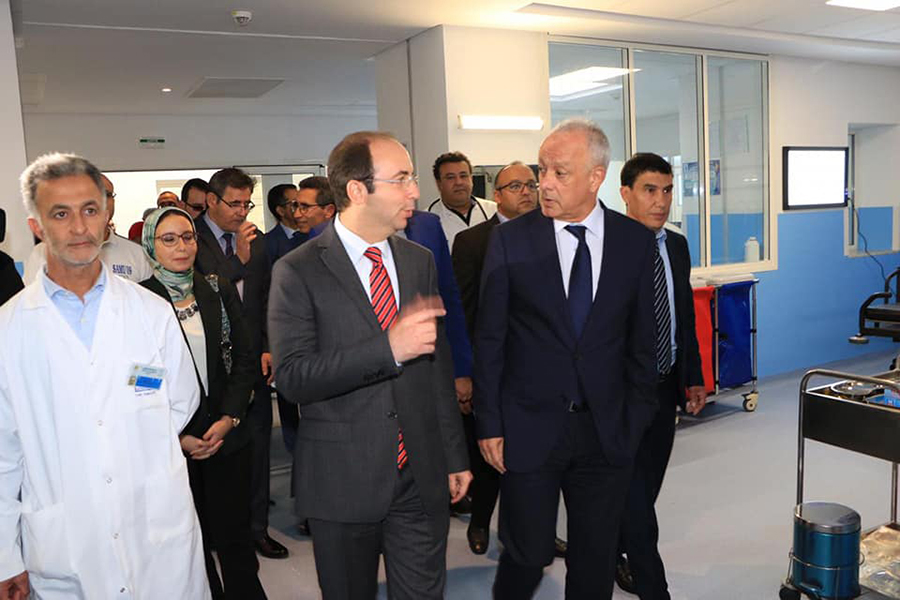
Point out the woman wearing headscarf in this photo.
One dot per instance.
(216, 446)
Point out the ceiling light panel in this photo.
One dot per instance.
(865, 4)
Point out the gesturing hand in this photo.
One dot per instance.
(414, 333)
(15, 588)
(246, 233)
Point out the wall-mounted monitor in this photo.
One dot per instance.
(814, 177)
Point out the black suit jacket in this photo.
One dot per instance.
(256, 275)
(687, 356)
(10, 282)
(530, 365)
(227, 394)
(333, 359)
(469, 250)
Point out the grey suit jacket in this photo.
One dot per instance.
(333, 359)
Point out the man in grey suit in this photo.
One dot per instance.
(358, 342)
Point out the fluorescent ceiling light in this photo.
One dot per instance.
(503, 122)
(591, 79)
(866, 4)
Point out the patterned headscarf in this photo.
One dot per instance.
(180, 285)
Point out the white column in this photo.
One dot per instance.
(452, 71)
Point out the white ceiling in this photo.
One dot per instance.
(113, 56)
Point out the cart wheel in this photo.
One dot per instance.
(788, 593)
(750, 400)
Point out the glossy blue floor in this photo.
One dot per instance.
(725, 510)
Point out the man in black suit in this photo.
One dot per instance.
(647, 192)
(565, 368)
(359, 344)
(230, 246)
(515, 192)
(10, 281)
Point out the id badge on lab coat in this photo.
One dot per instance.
(145, 379)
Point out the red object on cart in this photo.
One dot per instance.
(704, 325)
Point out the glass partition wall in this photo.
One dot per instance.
(706, 113)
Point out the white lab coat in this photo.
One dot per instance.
(94, 494)
(124, 257)
(452, 223)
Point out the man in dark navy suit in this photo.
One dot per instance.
(647, 192)
(285, 235)
(566, 368)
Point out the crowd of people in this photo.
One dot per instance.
(424, 363)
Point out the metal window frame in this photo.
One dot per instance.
(702, 55)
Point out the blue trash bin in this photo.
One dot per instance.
(825, 558)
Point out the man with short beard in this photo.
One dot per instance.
(96, 383)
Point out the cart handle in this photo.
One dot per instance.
(894, 385)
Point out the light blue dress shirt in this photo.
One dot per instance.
(670, 285)
(567, 244)
(218, 232)
(81, 316)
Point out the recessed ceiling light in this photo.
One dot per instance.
(866, 4)
(166, 90)
(585, 82)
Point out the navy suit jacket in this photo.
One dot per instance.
(425, 229)
(278, 243)
(531, 365)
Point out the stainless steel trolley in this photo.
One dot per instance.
(857, 425)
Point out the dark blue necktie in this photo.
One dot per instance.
(581, 289)
(229, 249)
(663, 317)
(297, 238)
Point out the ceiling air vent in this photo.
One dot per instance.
(230, 87)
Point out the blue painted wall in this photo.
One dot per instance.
(809, 307)
(876, 224)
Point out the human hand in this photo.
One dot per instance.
(464, 394)
(198, 449)
(696, 399)
(265, 361)
(15, 588)
(492, 451)
(246, 233)
(459, 485)
(414, 333)
(216, 433)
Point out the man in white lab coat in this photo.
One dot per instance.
(96, 382)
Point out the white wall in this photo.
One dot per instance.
(111, 141)
(392, 93)
(496, 72)
(12, 148)
(813, 103)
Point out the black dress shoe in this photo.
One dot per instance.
(303, 527)
(463, 507)
(479, 538)
(561, 547)
(269, 548)
(624, 577)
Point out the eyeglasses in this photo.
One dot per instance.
(237, 204)
(405, 182)
(111, 195)
(301, 207)
(516, 186)
(197, 207)
(171, 239)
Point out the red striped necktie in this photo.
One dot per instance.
(385, 306)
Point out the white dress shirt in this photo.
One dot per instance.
(566, 244)
(356, 248)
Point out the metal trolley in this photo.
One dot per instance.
(857, 425)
